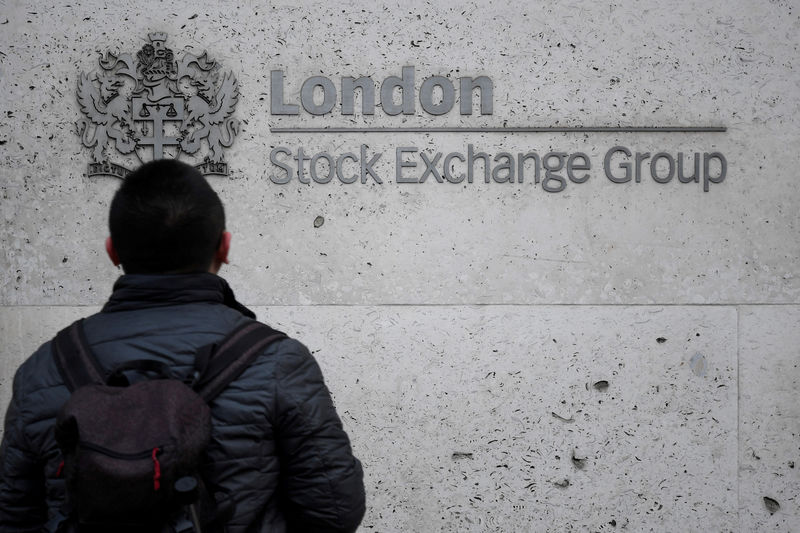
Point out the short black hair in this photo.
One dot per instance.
(166, 218)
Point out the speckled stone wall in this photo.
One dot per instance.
(614, 356)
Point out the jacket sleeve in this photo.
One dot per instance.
(322, 487)
(22, 487)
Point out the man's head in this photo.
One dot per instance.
(165, 218)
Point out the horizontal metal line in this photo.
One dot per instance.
(497, 304)
(89, 308)
(543, 129)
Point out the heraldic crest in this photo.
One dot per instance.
(155, 106)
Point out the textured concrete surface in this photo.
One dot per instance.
(769, 418)
(576, 63)
(523, 418)
(467, 329)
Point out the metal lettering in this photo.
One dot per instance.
(400, 164)
(426, 95)
(447, 162)
(277, 106)
(367, 87)
(331, 167)
(366, 167)
(654, 164)
(406, 86)
(723, 170)
(328, 95)
(485, 85)
(430, 167)
(626, 166)
(571, 167)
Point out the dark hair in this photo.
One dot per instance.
(166, 218)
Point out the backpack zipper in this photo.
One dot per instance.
(149, 454)
(116, 455)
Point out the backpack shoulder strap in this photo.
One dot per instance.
(74, 359)
(232, 356)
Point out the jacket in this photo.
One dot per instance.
(277, 446)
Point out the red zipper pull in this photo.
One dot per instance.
(156, 470)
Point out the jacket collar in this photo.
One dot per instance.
(141, 291)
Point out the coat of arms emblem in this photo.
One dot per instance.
(153, 106)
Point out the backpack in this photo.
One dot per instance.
(132, 454)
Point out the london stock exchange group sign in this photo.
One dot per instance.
(154, 105)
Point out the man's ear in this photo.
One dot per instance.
(224, 248)
(112, 253)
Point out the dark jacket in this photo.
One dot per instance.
(277, 444)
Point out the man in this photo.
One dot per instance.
(277, 445)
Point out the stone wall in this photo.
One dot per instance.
(613, 356)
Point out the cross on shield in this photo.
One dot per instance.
(169, 109)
